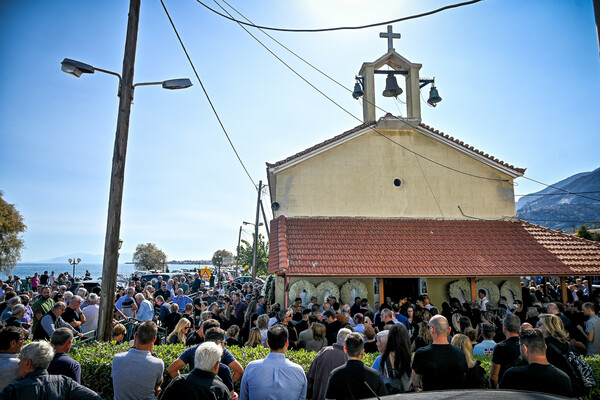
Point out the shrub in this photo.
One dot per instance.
(96, 363)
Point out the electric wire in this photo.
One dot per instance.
(359, 120)
(559, 220)
(206, 94)
(562, 190)
(554, 194)
(297, 55)
(427, 180)
(448, 7)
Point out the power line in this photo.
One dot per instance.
(207, 96)
(562, 190)
(229, 17)
(554, 194)
(558, 220)
(358, 119)
(295, 54)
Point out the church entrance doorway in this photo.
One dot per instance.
(398, 288)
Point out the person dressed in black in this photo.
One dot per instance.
(333, 326)
(440, 365)
(202, 382)
(539, 375)
(506, 353)
(354, 380)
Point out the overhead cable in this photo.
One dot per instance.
(448, 7)
(207, 96)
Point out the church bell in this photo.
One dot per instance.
(357, 91)
(434, 96)
(391, 87)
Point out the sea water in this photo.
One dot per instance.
(24, 270)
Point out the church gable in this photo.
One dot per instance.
(362, 172)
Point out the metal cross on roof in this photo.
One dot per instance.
(390, 37)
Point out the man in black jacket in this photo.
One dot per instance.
(354, 380)
(36, 383)
(202, 382)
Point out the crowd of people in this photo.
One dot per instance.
(421, 346)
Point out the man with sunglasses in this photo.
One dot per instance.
(52, 321)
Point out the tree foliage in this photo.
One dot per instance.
(262, 256)
(149, 257)
(219, 255)
(11, 244)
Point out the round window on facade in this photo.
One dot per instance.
(397, 182)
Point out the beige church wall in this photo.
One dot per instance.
(279, 290)
(437, 288)
(356, 178)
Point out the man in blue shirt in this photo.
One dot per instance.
(145, 310)
(274, 377)
(181, 300)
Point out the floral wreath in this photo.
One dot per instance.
(298, 287)
(490, 288)
(349, 286)
(511, 291)
(327, 286)
(460, 289)
(267, 289)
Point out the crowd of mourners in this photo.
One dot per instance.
(422, 347)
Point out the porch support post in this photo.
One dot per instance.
(286, 291)
(381, 294)
(563, 287)
(473, 289)
(544, 283)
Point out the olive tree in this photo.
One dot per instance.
(149, 257)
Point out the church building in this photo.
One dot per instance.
(395, 208)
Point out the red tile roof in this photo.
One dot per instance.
(393, 247)
(424, 126)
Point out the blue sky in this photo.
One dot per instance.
(519, 80)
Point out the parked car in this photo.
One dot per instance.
(245, 279)
(166, 276)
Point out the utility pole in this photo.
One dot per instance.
(254, 249)
(262, 208)
(237, 257)
(115, 201)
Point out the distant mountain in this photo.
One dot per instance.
(85, 258)
(549, 206)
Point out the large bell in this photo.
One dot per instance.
(434, 96)
(391, 87)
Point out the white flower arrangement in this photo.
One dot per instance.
(511, 290)
(268, 288)
(460, 289)
(491, 289)
(351, 289)
(299, 287)
(326, 289)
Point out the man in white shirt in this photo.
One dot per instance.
(91, 314)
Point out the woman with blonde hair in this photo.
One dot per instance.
(474, 378)
(556, 338)
(254, 338)
(180, 331)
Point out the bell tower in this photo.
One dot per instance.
(399, 66)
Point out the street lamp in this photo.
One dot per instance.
(113, 226)
(74, 262)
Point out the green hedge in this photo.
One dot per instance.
(96, 363)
